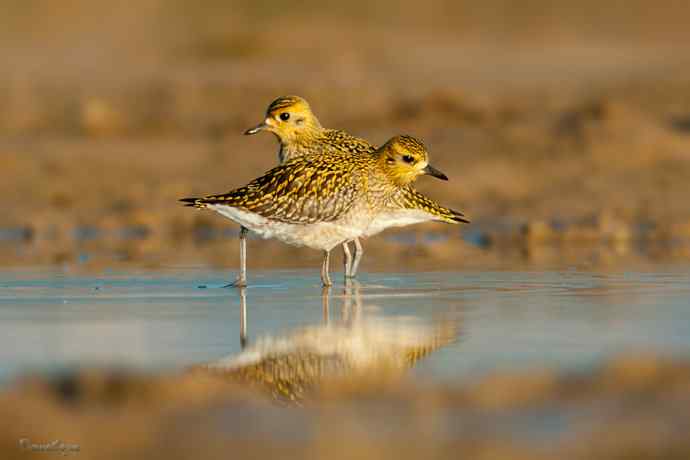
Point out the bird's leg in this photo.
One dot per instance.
(243, 317)
(347, 259)
(325, 277)
(359, 251)
(241, 280)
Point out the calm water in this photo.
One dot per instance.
(170, 319)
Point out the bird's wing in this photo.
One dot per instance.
(345, 142)
(302, 191)
(410, 199)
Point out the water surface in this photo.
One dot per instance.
(170, 319)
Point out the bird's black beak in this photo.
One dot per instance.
(260, 127)
(430, 170)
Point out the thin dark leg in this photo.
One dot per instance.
(243, 317)
(241, 280)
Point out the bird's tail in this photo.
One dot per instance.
(194, 202)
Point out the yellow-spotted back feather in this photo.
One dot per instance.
(305, 190)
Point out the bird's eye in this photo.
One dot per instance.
(285, 116)
(408, 158)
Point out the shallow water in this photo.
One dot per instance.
(170, 319)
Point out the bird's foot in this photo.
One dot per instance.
(238, 283)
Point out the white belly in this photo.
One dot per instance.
(397, 218)
(321, 235)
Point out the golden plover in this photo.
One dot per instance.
(299, 132)
(321, 201)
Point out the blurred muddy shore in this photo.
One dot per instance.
(565, 130)
(632, 407)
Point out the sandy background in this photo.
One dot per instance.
(564, 126)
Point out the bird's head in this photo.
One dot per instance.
(290, 118)
(405, 158)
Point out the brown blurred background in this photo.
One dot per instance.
(564, 126)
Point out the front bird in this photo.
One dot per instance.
(325, 200)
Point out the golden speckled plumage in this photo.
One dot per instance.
(305, 190)
(325, 141)
(411, 199)
(343, 141)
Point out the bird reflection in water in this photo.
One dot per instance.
(354, 347)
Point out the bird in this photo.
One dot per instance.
(299, 132)
(321, 201)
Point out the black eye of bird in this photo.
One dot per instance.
(285, 116)
(407, 158)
